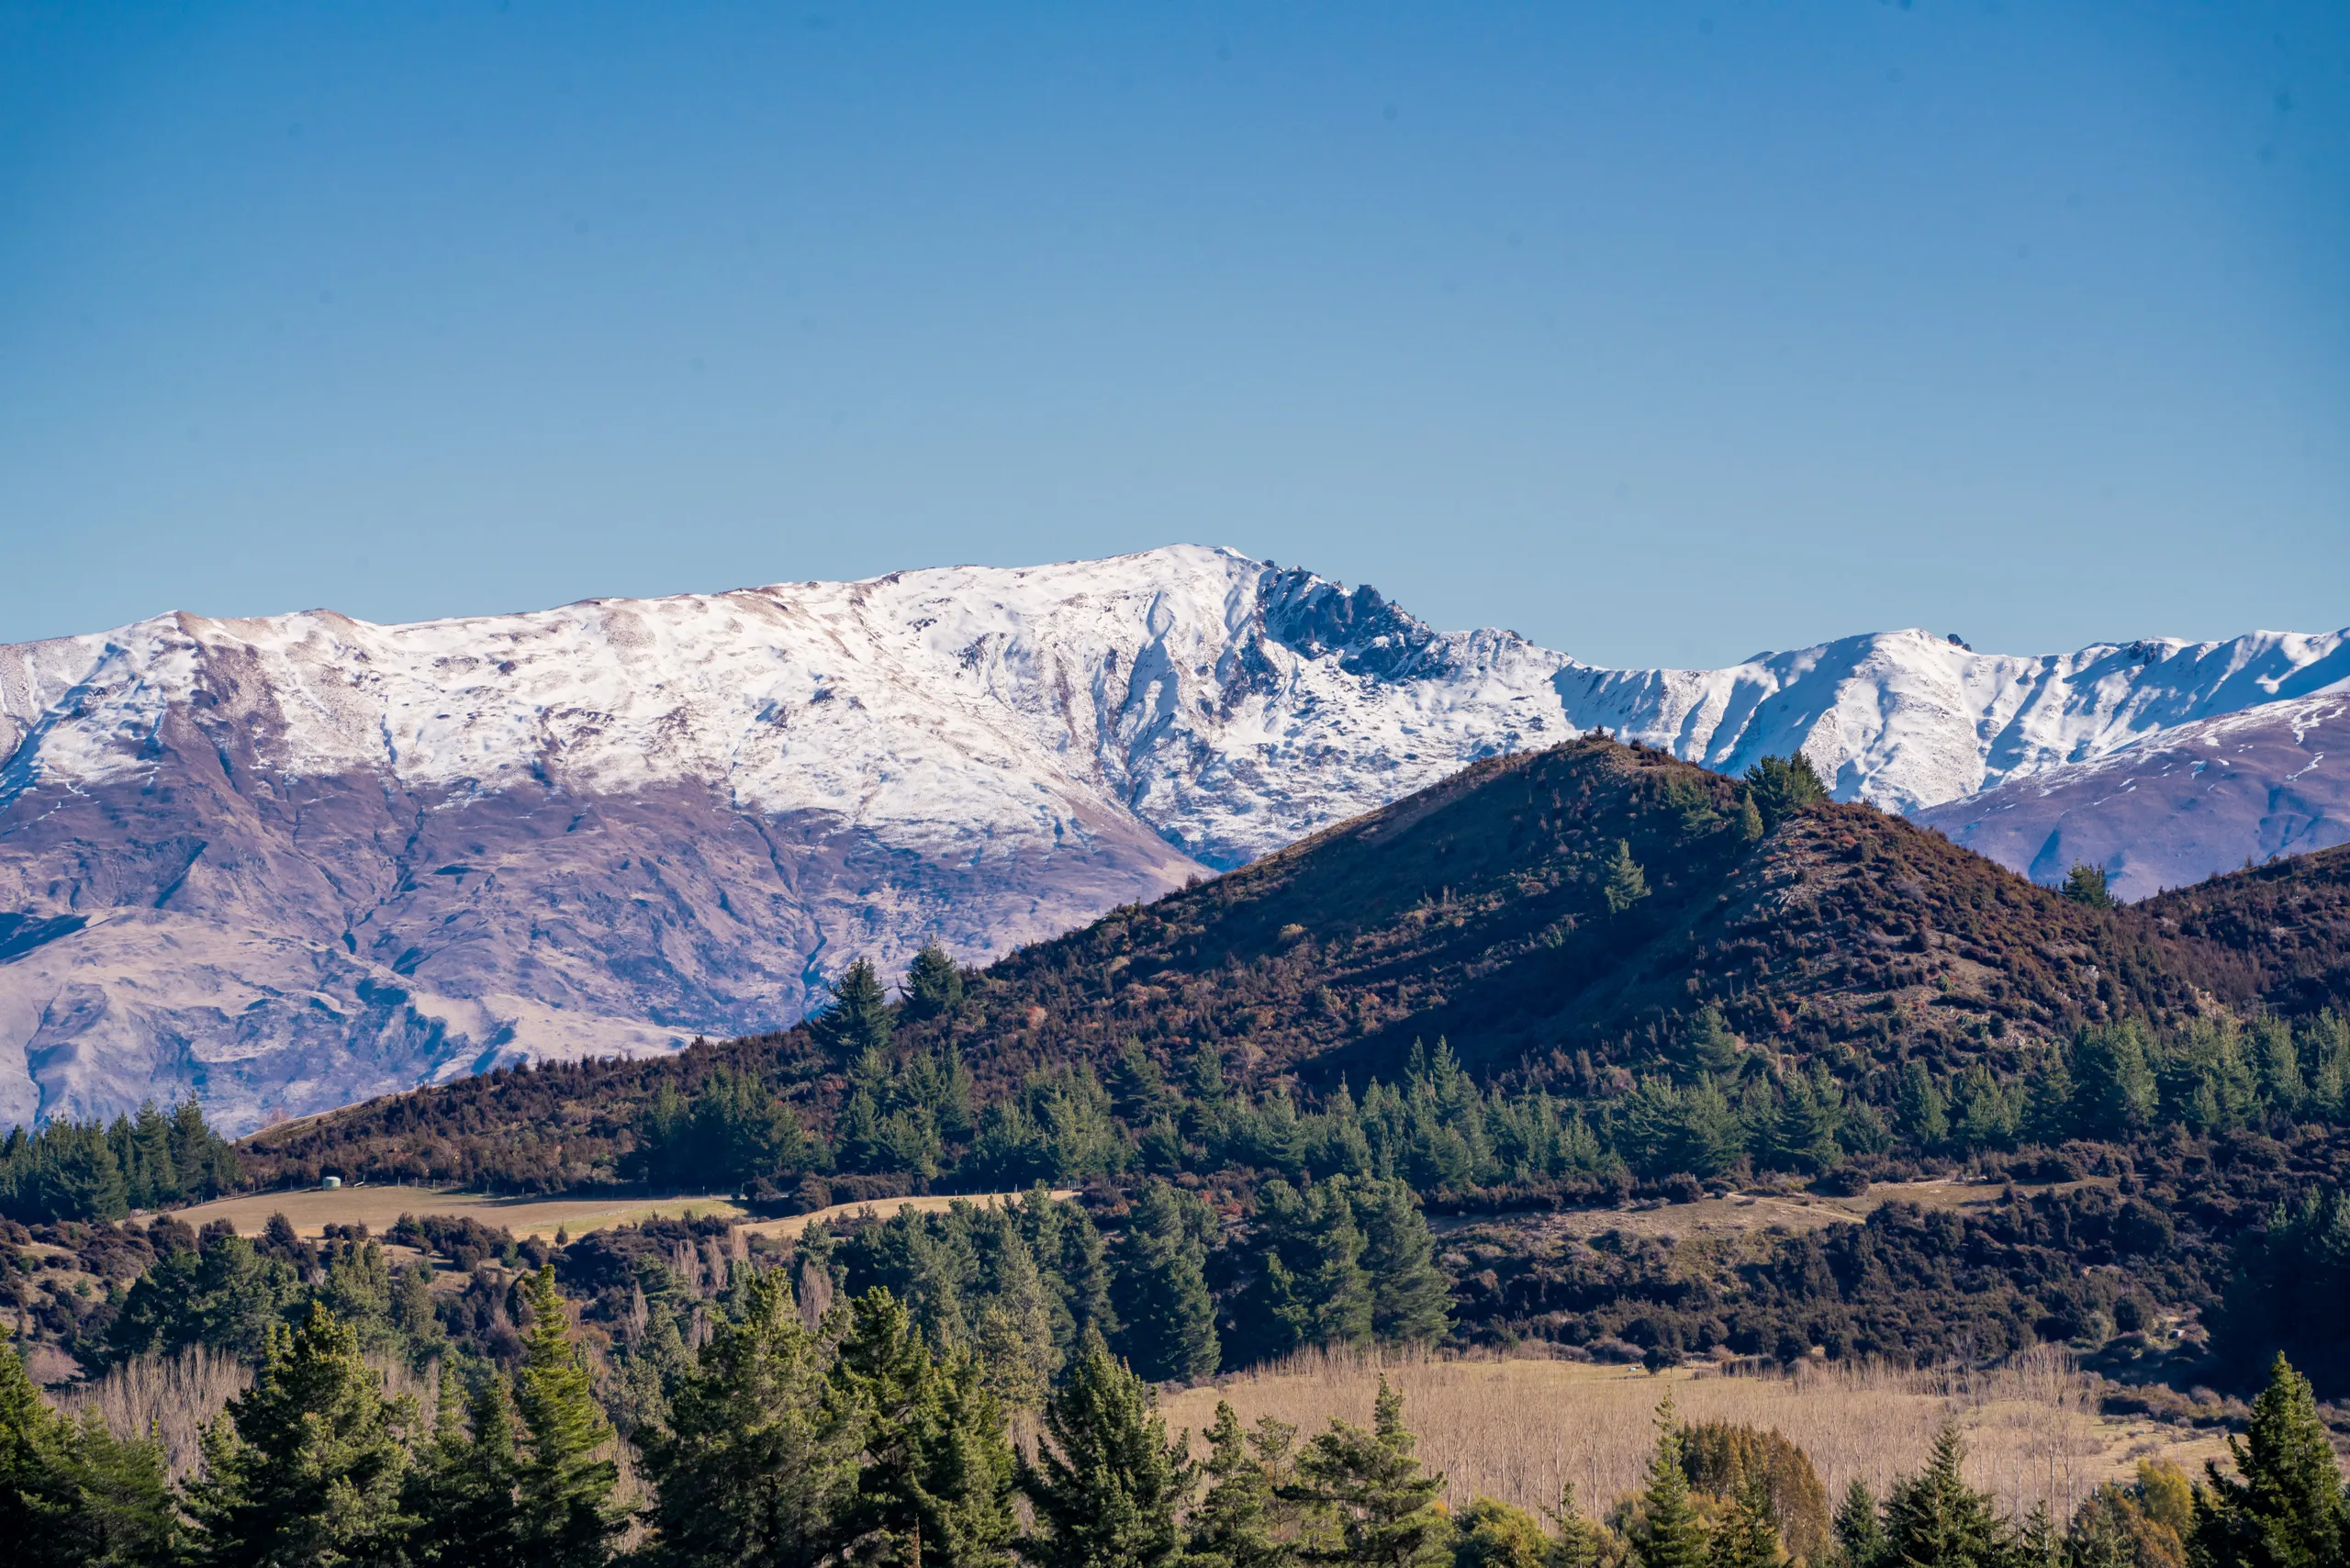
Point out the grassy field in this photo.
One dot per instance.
(1516, 1429)
(1758, 1211)
(311, 1210)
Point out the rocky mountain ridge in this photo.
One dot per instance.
(290, 862)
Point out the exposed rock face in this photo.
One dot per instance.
(2177, 807)
(291, 862)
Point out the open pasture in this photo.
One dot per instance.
(1519, 1428)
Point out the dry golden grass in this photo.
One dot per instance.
(1516, 1429)
(1762, 1210)
(312, 1209)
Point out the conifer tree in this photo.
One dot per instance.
(1159, 1291)
(2284, 1508)
(1106, 1485)
(1936, 1520)
(72, 1493)
(1860, 1531)
(1749, 817)
(308, 1465)
(1708, 1048)
(461, 1491)
(2086, 885)
(1671, 1535)
(2038, 1543)
(1411, 1301)
(934, 987)
(1383, 1505)
(1626, 884)
(858, 1019)
(759, 1454)
(1578, 1541)
(564, 1480)
(31, 1476)
(1749, 1537)
(1243, 1521)
(1781, 787)
(935, 1474)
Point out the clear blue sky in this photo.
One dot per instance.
(1662, 333)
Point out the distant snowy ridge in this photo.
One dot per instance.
(1231, 705)
(293, 860)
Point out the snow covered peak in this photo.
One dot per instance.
(1230, 704)
(1908, 718)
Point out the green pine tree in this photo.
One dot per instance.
(1626, 884)
(1107, 1485)
(858, 1019)
(935, 1474)
(1411, 1301)
(2285, 1507)
(1243, 1521)
(1749, 817)
(308, 1466)
(1372, 1488)
(1935, 1520)
(1577, 1542)
(564, 1480)
(934, 987)
(1860, 1530)
(1781, 787)
(2086, 885)
(71, 1492)
(759, 1454)
(1708, 1048)
(1670, 1534)
(1160, 1290)
(2038, 1543)
(461, 1491)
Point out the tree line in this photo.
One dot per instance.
(855, 1438)
(92, 1171)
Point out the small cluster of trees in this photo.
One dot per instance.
(90, 1170)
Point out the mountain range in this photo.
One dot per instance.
(291, 862)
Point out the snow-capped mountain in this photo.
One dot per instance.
(2177, 806)
(293, 861)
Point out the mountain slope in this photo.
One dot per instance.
(2183, 804)
(1476, 911)
(288, 863)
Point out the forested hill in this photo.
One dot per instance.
(1579, 919)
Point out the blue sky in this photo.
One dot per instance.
(1662, 333)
